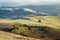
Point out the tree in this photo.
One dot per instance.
(39, 21)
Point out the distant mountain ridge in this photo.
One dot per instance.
(53, 9)
(17, 12)
(43, 10)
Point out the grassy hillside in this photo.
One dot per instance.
(11, 36)
(36, 27)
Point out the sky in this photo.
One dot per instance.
(26, 2)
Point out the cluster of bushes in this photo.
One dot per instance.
(30, 30)
(25, 30)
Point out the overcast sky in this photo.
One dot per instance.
(26, 2)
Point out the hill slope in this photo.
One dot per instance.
(10, 36)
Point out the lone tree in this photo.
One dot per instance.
(39, 21)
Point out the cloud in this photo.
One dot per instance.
(26, 2)
(30, 10)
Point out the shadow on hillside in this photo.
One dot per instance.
(33, 31)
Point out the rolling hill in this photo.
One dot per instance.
(11, 36)
(46, 27)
